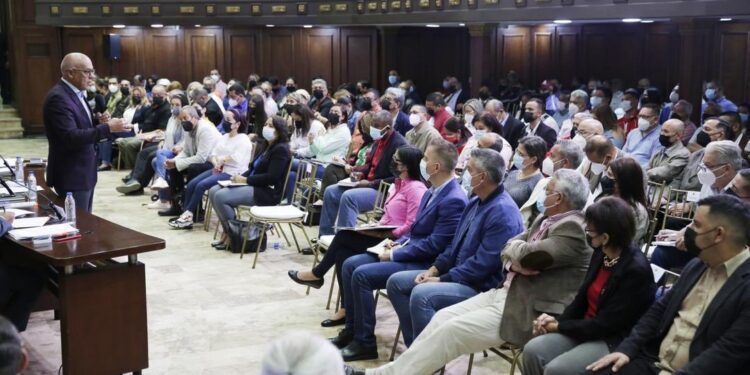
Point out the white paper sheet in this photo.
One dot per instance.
(31, 222)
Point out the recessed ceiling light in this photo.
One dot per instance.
(197, 25)
(119, 26)
(647, 21)
(270, 25)
(157, 25)
(631, 20)
(432, 25)
(725, 19)
(563, 22)
(462, 24)
(307, 26)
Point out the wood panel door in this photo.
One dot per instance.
(204, 50)
(242, 48)
(512, 46)
(359, 54)
(132, 54)
(280, 55)
(731, 61)
(165, 55)
(321, 48)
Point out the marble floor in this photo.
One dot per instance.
(208, 311)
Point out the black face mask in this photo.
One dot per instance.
(690, 245)
(251, 83)
(385, 104)
(187, 126)
(665, 141)
(703, 139)
(608, 185)
(226, 126)
(528, 117)
(137, 100)
(125, 91)
(430, 111)
(158, 100)
(333, 119)
(318, 94)
(298, 124)
(484, 95)
(291, 88)
(365, 104)
(394, 169)
(675, 116)
(452, 89)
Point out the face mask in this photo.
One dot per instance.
(333, 119)
(451, 138)
(590, 242)
(472, 186)
(431, 112)
(597, 168)
(579, 140)
(291, 88)
(707, 177)
(452, 89)
(318, 94)
(675, 116)
(703, 139)
(392, 80)
(479, 133)
(540, 206)
(394, 169)
(226, 126)
(376, 134)
(626, 106)
(518, 161)
(608, 185)
(125, 91)
(445, 84)
(561, 105)
(572, 109)
(415, 119)
(251, 83)
(674, 97)
(187, 126)
(215, 77)
(175, 111)
(423, 170)
(232, 103)
(744, 117)
(113, 88)
(158, 100)
(484, 95)
(690, 240)
(643, 124)
(710, 94)
(528, 117)
(468, 119)
(385, 104)
(269, 133)
(595, 101)
(137, 100)
(548, 166)
(665, 141)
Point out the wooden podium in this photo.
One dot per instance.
(101, 303)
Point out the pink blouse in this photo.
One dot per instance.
(402, 205)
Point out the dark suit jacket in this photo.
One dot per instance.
(153, 117)
(268, 177)
(323, 107)
(548, 134)
(433, 226)
(71, 134)
(513, 130)
(383, 168)
(722, 340)
(626, 295)
(402, 123)
(214, 113)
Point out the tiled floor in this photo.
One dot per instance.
(208, 311)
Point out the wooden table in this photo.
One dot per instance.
(101, 303)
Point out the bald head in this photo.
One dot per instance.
(671, 132)
(78, 70)
(598, 148)
(590, 127)
(674, 126)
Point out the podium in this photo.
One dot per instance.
(101, 302)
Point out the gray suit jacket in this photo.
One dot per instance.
(667, 165)
(555, 286)
(689, 180)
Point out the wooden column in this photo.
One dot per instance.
(479, 55)
(695, 40)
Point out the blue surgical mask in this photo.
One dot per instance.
(376, 134)
(392, 80)
(744, 117)
(540, 203)
(595, 101)
(518, 161)
(710, 94)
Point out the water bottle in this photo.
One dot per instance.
(19, 170)
(31, 182)
(70, 209)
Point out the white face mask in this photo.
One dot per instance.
(707, 177)
(269, 133)
(579, 140)
(674, 97)
(597, 168)
(479, 133)
(423, 170)
(560, 105)
(215, 77)
(643, 124)
(595, 101)
(548, 167)
(232, 102)
(573, 109)
(415, 119)
(626, 106)
(468, 118)
(113, 89)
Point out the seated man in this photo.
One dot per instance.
(599, 153)
(153, 121)
(668, 164)
(13, 356)
(643, 142)
(701, 325)
(347, 203)
(423, 133)
(200, 138)
(472, 263)
(506, 313)
(431, 232)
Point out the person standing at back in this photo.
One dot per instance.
(72, 131)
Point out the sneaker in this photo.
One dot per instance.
(158, 205)
(129, 188)
(182, 223)
(318, 203)
(159, 184)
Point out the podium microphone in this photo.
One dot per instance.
(12, 172)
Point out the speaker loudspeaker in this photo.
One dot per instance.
(112, 46)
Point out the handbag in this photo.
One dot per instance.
(236, 230)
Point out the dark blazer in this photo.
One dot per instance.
(626, 295)
(153, 117)
(268, 177)
(213, 112)
(433, 226)
(100, 103)
(513, 130)
(323, 107)
(71, 134)
(720, 345)
(402, 124)
(383, 168)
(548, 134)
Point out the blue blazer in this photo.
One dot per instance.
(71, 135)
(433, 226)
(402, 124)
(473, 258)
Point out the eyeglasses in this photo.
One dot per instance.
(88, 72)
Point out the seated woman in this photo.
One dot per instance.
(306, 130)
(483, 124)
(331, 145)
(229, 158)
(456, 133)
(472, 109)
(528, 160)
(400, 209)
(334, 173)
(265, 178)
(256, 116)
(607, 117)
(618, 288)
(624, 179)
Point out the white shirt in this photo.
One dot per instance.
(271, 107)
(238, 149)
(300, 144)
(218, 101)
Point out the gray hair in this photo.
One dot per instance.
(569, 182)
(11, 350)
(571, 152)
(579, 94)
(383, 116)
(191, 112)
(158, 88)
(197, 93)
(491, 162)
(495, 104)
(320, 81)
(419, 108)
(396, 93)
(727, 153)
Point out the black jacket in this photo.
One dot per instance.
(153, 117)
(626, 295)
(383, 167)
(722, 340)
(513, 130)
(402, 124)
(548, 134)
(214, 113)
(323, 107)
(268, 177)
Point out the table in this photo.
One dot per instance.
(101, 302)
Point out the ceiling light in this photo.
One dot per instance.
(432, 25)
(462, 24)
(157, 26)
(647, 21)
(270, 25)
(119, 26)
(631, 20)
(562, 22)
(307, 26)
(725, 19)
(197, 25)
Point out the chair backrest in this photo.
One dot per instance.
(656, 193)
(304, 184)
(677, 197)
(379, 208)
(286, 179)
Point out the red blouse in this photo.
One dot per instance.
(595, 290)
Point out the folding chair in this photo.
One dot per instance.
(379, 208)
(513, 357)
(655, 192)
(686, 199)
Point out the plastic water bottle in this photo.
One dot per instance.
(19, 170)
(70, 209)
(31, 184)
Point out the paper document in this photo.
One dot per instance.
(229, 183)
(664, 243)
(379, 249)
(658, 272)
(347, 182)
(47, 230)
(375, 226)
(31, 222)
(19, 212)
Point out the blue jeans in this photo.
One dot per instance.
(361, 275)
(162, 156)
(346, 203)
(670, 258)
(105, 148)
(416, 304)
(198, 185)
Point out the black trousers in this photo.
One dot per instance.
(331, 176)
(142, 172)
(177, 178)
(19, 289)
(345, 244)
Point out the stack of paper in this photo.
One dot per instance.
(379, 249)
(31, 222)
(229, 183)
(55, 230)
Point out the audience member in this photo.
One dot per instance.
(456, 133)
(682, 110)
(527, 161)
(423, 133)
(624, 179)
(152, 121)
(608, 119)
(532, 117)
(667, 165)
(513, 129)
(599, 153)
(320, 101)
(714, 94)
(472, 109)
(643, 142)
(392, 101)
(628, 111)
(435, 105)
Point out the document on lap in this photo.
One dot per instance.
(229, 183)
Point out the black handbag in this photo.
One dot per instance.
(236, 230)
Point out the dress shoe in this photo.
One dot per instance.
(358, 352)
(174, 210)
(307, 251)
(349, 370)
(313, 283)
(221, 246)
(127, 178)
(217, 243)
(343, 339)
(130, 187)
(333, 322)
(103, 167)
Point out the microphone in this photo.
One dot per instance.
(12, 172)
(5, 185)
(57, 210)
